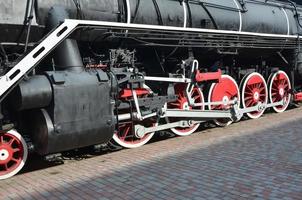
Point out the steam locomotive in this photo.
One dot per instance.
(78, 73)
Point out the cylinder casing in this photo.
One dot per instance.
(36, 92)
(81, 113)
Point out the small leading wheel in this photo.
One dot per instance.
(183, 104)
(13, 153)
(224, 91)
(254, 91)
(125, 135)
(279, 89)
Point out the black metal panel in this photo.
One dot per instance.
(81, 114)
(198, 17)
(157, 12)
(264, 18)
(12, 11)
(11, 33)
(225, 14)
(12, 15)
(293, 26)
(105, 10)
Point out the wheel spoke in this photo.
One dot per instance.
(12, 140)
(249, 89)
(15, 160)
(249, 103)
(16, 150)
(1, 139)
(282, 82)
(261, 89)
(248, 98)
(249, 93)
(286, 86)
(174, 104)
(126, 131)
(197, 98)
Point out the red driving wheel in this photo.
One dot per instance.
(279, 89)
(225, 91)
(254, 91)
(125, 135)
(183, 104)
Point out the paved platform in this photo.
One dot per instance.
(254, 159)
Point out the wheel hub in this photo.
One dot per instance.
(281, 92)
(140, 132)
(256, 96)
(225, 100)
(4, 155)
(185, 106)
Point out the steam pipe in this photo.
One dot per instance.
(67, 54)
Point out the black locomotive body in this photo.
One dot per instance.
(78, 73)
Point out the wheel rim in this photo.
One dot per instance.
(226, 90)
(279, 89)
(183, 104)
(254, 91)
(125, 135)
(13, 153)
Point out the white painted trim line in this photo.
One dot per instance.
(173, 28)
(240, 16)
(184, 5)
(287, 20)
(128, 11)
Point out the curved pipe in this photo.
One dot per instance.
(67, 54)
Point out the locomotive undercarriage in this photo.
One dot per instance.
(185, 117)
(177, 102)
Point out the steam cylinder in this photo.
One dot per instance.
(33, 93)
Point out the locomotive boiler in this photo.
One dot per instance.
(78, 73)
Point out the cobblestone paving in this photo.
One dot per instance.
(255, 159)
